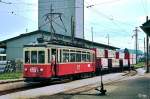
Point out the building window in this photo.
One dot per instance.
(4, 58)
(41, 57)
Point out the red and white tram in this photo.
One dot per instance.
(47, 61)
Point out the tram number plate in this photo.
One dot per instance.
(33, 69)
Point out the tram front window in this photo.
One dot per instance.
(41, 57)
(27, 57)
(33, 56)
(36, 57)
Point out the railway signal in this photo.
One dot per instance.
(146, 28)
(102, 90)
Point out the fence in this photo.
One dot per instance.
(10, 69)
(10, 66)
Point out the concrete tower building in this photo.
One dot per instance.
(64, 17)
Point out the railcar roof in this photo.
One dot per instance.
(53, 45)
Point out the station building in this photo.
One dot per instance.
(14, 46)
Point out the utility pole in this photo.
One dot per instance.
(144, 51)
(146, 28)
(72, 29)
(144, 45)
(147, 50)
(51, 23)
(26, 30)
(108, 39)
(136, 41)
(92, 37)
(92, 33)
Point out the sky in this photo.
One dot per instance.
(116, 18)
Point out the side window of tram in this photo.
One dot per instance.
(84, 57)
(27, 57)
(88, 57)
(33, 56)
(65, 55)
(78, 56)
(72, 56)
(41, 57)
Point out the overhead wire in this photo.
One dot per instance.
(5, 2)
(111, 19)
(104, 3)
(15, 3)
(105, 16)
(114, 21)
(105, 27)
(118, 21)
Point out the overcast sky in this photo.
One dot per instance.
(118, 18)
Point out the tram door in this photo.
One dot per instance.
(53, 60)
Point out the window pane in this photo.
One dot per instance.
(60, 56)
(88, 57)
(84, 58)
(4, 58)
(65, 55)
(72, 57)
(34, 57)
(78, 57)
(48, 57)
(0, 57)
(27, 57)
(41, 57)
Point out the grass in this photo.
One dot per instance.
(11, 75)
(139, 65)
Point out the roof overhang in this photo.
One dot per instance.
(4, 43)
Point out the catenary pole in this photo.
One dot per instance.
(147, 50)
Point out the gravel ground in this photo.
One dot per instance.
(119, 86)
(58, 88)
(135, 88)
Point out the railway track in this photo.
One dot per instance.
(11, 81)
(22, 86)
(27, 86)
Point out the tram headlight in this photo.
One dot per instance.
(41, 69)
(25, 69)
